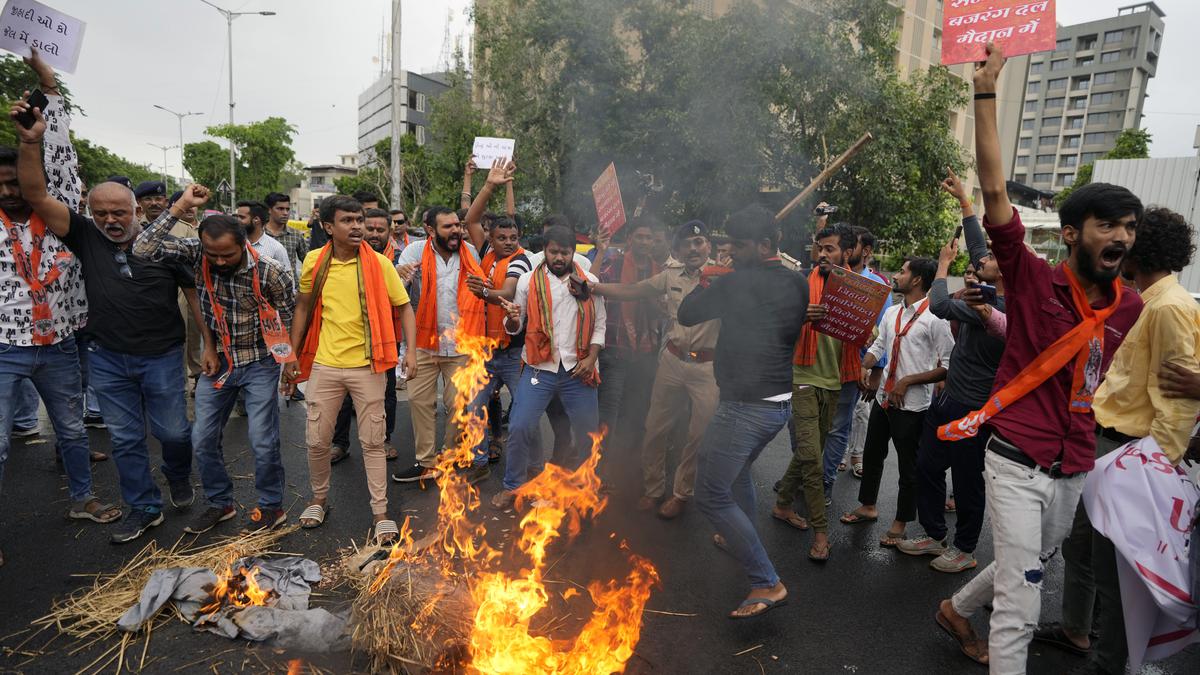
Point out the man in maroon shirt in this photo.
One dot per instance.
(1074, 316)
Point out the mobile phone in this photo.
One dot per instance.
(988, 293)
(957, 232)
(36, 100)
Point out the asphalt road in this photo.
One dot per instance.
(868, 610)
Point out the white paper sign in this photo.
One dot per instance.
(26, 24)
(487, 150)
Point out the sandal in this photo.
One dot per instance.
(792, 518)
(315, 514)
(892, 539)
(951, 505)
(1053, 634)
(856, 469)
(389, 452)
(386, 532)
(970, 644)
(819, 557)
(841, 466)
(94, 510)
(768, 605)
(856, 518)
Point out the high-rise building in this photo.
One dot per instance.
(375, 110)
(1077, 99)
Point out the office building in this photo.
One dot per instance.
(375, 110)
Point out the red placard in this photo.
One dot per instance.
(854, 303)
(1019, 26)
(610, 210)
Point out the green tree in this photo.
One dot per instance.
(97, 163)
(206, 162)
(1130, 144)
(15, 79)
(262, 150)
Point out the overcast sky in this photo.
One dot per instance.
(310, 61)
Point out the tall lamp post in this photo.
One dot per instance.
(229, 17)
(180, 116)
(164, 148)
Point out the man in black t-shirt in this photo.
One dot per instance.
(137, 336)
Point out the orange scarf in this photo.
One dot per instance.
(1084, 343)
(637, 316)
(495, 313)
(539, 334)
(806, 346)
(471, 316)
(378, 312)
(389, 252)
(28, 265)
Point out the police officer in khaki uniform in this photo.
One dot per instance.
(685, 370)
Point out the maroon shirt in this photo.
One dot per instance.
(1040, 310)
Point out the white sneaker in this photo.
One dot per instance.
(925, 545)
(953, 561)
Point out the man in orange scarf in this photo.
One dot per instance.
(819, 368)
(350, 312)
(1064, 324)
(440, 264)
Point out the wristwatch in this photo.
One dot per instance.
(486, 293)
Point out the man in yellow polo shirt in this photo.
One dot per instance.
(350, 312)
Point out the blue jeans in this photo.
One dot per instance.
(91, 402)
(839, 433)
(25, 413)
(529, 402)
(131, 389)
(724, 492)
(258, 383)
(54, 370)
(503, 369)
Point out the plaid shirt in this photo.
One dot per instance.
(235, 293)
(296, 244)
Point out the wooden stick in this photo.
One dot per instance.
(824, 175)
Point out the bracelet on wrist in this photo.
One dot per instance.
(983, 95)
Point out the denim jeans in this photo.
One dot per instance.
(91, 402)
(341, 429)
(724, 492)
(503, 369)
(535, 390)
(131, 389)
(54, 370)
(839, 434)
(258, 382)
(25, 413)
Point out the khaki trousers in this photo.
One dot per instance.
(326, 388)
(422, 403)
(194, 346)
(677, 383)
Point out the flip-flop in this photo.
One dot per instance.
(969, 644)
(891, 539)
(819, 557)
(855, 518)
(770, 605)
(313, 512)
(794, 519)
(386, 532)
(335, 456)
(81, 512)
(841, 466)
(857, 469)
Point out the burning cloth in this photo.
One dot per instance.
(275, 608)
(1147, 507)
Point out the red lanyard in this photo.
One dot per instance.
(27, 268)
(895, 356)
(274, 335)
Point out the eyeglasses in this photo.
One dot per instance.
(401, 221)
(123, 260)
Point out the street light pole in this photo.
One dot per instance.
(164, 148)
(229, 17)
(180, 116)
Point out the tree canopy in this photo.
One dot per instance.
(262, 150)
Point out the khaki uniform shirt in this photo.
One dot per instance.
(675, 283)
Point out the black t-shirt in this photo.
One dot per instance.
(132, 316)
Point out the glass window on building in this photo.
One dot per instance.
(1033, 87)
(1062, 45)
(1068, 160)
(1070, 141)
(1065, 179)
(1045, 159)
(1056, 102)
(1052, 122)
(1113, 36)
(1109, 57)
(1084, 62)
(1058, 83)
(1105, 78)
(1059, 64)
(1026, 125)
(1082, 83)
(1087, 42)
(1089, 157)
(1035, 68)
(1079, 103)
(1074, 122)
(1103, 99)
(1031, 106)
(1047, 141)
(1022, 160)
(1095, 119)
(1043, 177)
(1025, 143)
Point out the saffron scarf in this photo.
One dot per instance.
(378, 314)
(471, 316)
(27, 268)
(539, 335)
(806, 346)
(637, 318)
(495, 313)
(1084, 343)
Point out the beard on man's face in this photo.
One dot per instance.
(558, 267)
(377, 243)
(1090, 268)
(450, 243)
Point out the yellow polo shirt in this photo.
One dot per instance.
(343, 336)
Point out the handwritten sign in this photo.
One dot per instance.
(487, 150)
(854, 303)
(1019, 26)
(610, 210)
(28, 25)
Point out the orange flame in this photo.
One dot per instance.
(237, 589)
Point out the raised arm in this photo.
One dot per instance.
(987, 139)
(156, 243)
(31, 173)
(61, 160)
(940, 302)
(464, 199)
(501, 173)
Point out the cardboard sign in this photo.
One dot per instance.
(26, 24)
(1019, 26)
(854, 303)
(610, 210)
(487, 150)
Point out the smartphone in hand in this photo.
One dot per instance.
(36, 100)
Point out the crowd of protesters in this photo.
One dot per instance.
(114, 307)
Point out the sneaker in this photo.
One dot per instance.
(94, 421)
(922, 546)
(263, 519)
(953, 560)
(477, 474)
(210, 518)
(182, 493)
(414, 473)
(135, 523)
(25, 432)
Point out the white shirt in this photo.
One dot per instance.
(926, 346)
(270, 247)
(536, 259)
(566, 315)
(447, 289)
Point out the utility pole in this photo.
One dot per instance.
(399, 98)
(164, 148)
(180, 115)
